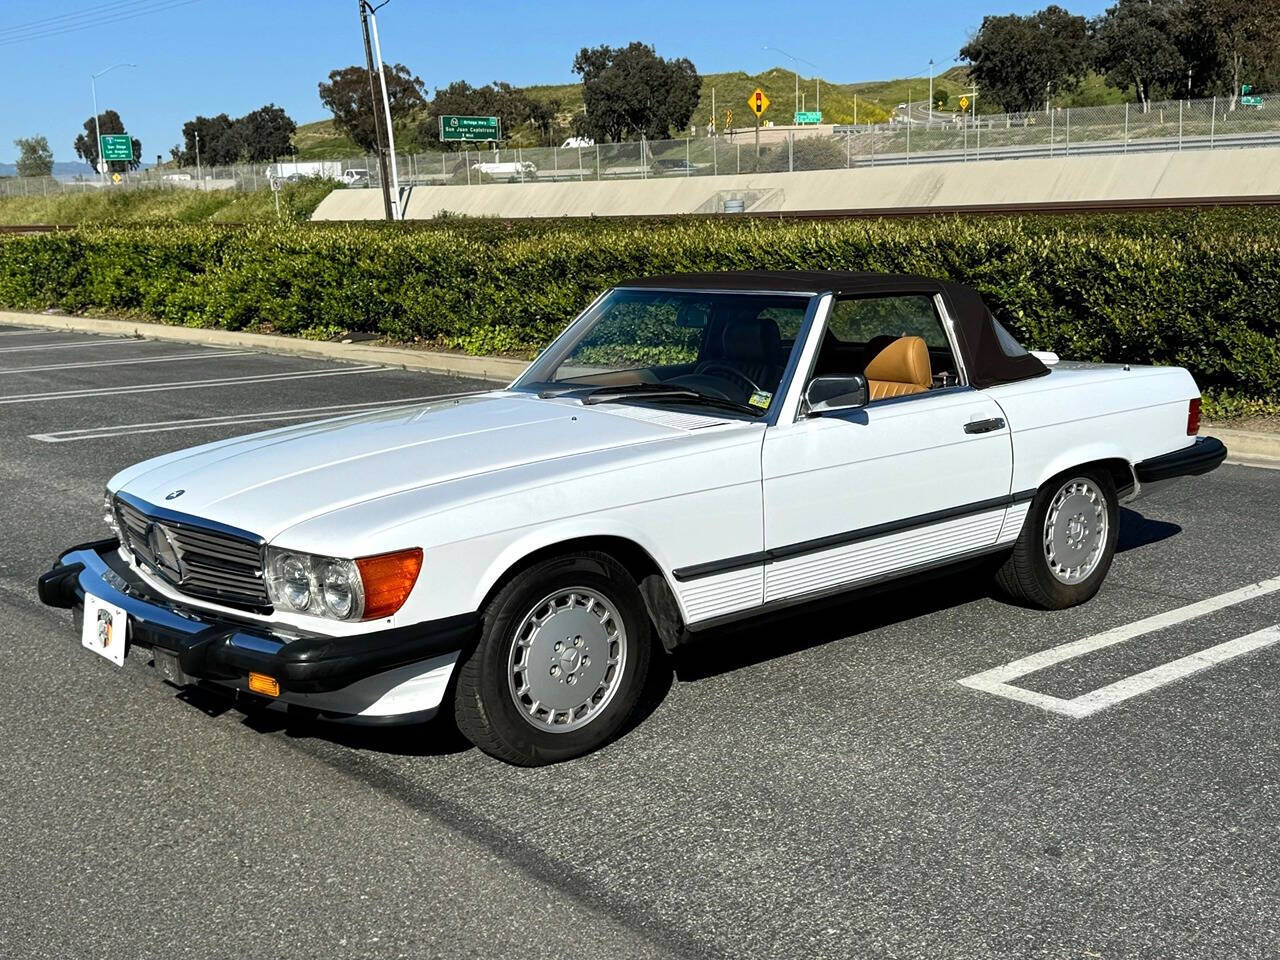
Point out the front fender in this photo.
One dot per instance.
(535, 539)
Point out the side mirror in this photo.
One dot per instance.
(833, 394)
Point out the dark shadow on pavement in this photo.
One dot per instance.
(805, 627)
(1138, 531)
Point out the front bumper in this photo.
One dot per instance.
(1206, 454)
(224, 651)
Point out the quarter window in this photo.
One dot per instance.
(897, 342)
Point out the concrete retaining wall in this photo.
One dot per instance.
(1148, 176)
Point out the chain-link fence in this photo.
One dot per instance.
(919, 137)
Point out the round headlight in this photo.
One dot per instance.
(336, 587)
(295, 582)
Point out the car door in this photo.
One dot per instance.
(907, 482)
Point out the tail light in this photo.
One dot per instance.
(1193, 417)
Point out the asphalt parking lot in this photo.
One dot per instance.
(821, 786)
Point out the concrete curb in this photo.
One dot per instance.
(498, 369)
(1253, 448)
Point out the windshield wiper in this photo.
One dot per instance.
(658, 391)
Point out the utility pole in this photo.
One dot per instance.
(199, 179)
(931, 89)
(377, 121)
(396, 212)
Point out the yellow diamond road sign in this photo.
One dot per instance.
(964, 103)
(758, 102)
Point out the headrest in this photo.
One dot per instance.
(752, 339)
(906, 360)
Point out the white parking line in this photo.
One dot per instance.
(84, 364)
(188, 385)
(998, 680)
(267, 416)
(100, 341)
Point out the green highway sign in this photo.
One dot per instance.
(1250, 101)
(808, 116)
(116, 146)
(470, 128)
(1247, 88)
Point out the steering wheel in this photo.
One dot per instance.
(733, 373)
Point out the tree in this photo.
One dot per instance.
(87, 143)
(1013, 59)
(1137, 43)
(1247, 34)
(220, 141)
(348, 98)
(940, 98)
(542, 114)
(35, 159)
(631, 92)
(267, 134)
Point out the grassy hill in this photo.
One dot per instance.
(876, 100)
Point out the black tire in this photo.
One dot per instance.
(1027, 576)
(485, 705)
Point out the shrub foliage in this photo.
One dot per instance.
(1200, 290)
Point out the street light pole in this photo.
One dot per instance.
(199, 176)
(396, 212)
(97, 128)
(794, 63)
(377, 119)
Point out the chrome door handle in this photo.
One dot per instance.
(984, 426)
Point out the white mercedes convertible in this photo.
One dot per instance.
(693, 450)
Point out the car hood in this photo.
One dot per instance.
(270, 481)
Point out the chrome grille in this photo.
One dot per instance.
(211, 563)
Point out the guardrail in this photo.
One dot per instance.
(920, 137)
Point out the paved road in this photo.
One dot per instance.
(820, 787)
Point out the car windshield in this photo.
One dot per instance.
(664, 346)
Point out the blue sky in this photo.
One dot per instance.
(211, 56)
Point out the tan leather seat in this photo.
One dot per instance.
(900, 369)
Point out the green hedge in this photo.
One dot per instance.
(1201, 290)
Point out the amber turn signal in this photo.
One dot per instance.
(387, 580)
(261, 683)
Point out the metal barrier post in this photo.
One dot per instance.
(686, 156)
(1213, 122)
(597, 161)
(1052, 118)
(1179, 124)
(1067, 148)
(1126, 126)
(739, 161)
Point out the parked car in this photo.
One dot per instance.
(676, 165)
(355, 177)
(573, 142)
(692, 451)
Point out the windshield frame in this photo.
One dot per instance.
(533, 380)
